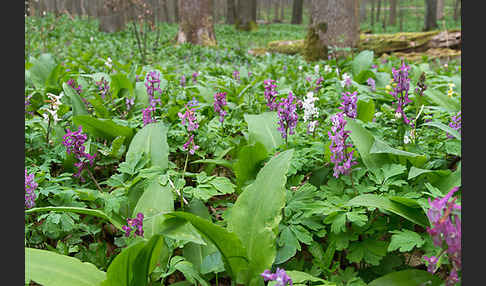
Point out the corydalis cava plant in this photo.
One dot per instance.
(74, 145)
(287, 114)
(400, 91)
(280, 276)
(134, 224)
(311, 113)
(188, 118)
(30, 185)
(219, 103)
(340, 157)
(270, 94)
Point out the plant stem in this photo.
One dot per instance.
(94, 180)
(48, 129)
(183, 173)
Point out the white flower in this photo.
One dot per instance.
(312, 126)
(406, 139)
(54, 106)
(327, 68)
(398, 115)
(309, 109)
(108, 62)
(300, 68)
(346, 77)
(316, 68)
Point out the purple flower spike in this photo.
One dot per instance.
(190, 143)
(280, 276)
(343, 161)
(219, 103)
(74, 85)
(147, 115)
(270, 93)
(30, 185)
(194, 77)
(287, 112)
(134, 224)
(236, 75)
(400, 91)
(371, 83)
(349, 105)
(455, 124)
(74, 145)
(189, 117)
(183, 81)
(152, 84)
(103, 87)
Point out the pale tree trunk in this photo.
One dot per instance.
(277, 7)
(165, 11)
(253, 4)
(282, 11)
(297, 10)
(393, 12)
(430, 15)
(372, 13)
(440, 9)
(378, 11)
(176, 11)
(401, 15)
(244, 17)
(268, 4)
(362, 10)
(196, 22)
(334, 23)
(456, 9)
(230, 14)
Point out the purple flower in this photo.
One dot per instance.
(236, 75)
(319, 80)
(446, 232)
(103, 87)
(280, 276)
(190, 143)
(270, 93)
(30, 185)
(343, 161)
(152, 84)
(147, 115)
(455, 123)
(134, 224)
(371, 83)
(129, 102)
(348, 105)
(74, 145)
(183, 80)
(189, 117)
(219, 103)
(73, 84)
(400, 91)
(194, 77)
(432, 263)
(287, 113)
(374, 66)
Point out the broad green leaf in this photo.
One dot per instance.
(370, 200)
(145, 261)
(180, 229)
(41, 69)
(361, 62)
(380, 147)
(299, 277)
(229, 245)
(121, 271)
(263, 128)
(221, 162)
(257, 212)
(366, 110)
(79, 108)
(415, 172)
(116, 221)
(410, 277)
(249, 159)
(444, 128)
(155, 201)
(450, 181)
(363, 141)
(441, 99)
(51, 269)
(405, 240)
(102, 128)
(118, 83)
(289, 245)
(141, 96)
(191, 274)
(151, 140)
(370, 250)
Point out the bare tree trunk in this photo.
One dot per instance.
(430, 15)
(334, 23)
(393, 12)
(244, 18)
(231, 14)
(372, 13)
(385, 19)
(297, 10)
(268, 10)
(282, 11)
(400, 15)
(362, 10)
(277, 7)
(440, 9)
(456, 8)
(196, 22)
(176, 11)
(253, 4)
(378, 10)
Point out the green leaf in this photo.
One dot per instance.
(221, 162)
(116, 221)
(444, 128)
(78, 105)
(102, 128)
(118, 83)
(41, 68)
(229, 245)
(151, 140)
(121, 271)
(450, 181)
(145, 261)
(337, 221)
(380, 147)
(257, 212)
(405, 240)
(410, 277)
(249, 159)
(155, 201)
(363, 141)
(366, 110)
(51, 269)
(263, 128)
(441, 99)
(289, 245)
(299, 277)
(180, 229)
(361, 62)
(371, 250)
(370, 200)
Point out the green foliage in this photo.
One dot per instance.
(152, 141)
(261, 128)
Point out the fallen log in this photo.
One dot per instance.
(406, 42)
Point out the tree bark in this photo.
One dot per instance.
(244, 18)
(362, 10)
(378, 11)
(176, 11)
(334, 23)
(230, 17)
(400, 16)
(456, 8)
(196, 22)
(372, 13)
(282, 11)
(440, 9)
(277, 7)
(253, 8)
(297, 10)
(430, 15)
(393, 12)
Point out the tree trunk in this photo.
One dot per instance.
(372, 13)
(400, 16)
(297, 9)
(230, 17)
(282, 11)
(253, 4)
(196, 22)
(440, 9)
(393, 12)
(378, 11)
(176, 11)
(334, 23)
(385, 19)
(456, 8)
(362, 10)
(277, 7)
(244, 17)
(430, 15)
